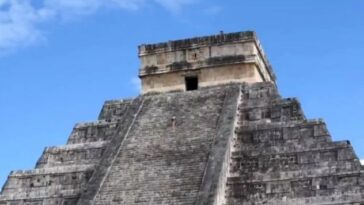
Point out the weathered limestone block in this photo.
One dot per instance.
(92, 132)
(273, 111)
(114, 110)
(44, 183)
(85, 153)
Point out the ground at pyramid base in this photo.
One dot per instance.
(210, 128)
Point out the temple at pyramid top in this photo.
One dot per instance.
(192, 63)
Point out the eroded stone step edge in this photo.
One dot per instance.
(332, 146)
(294, 176)
(97, 123)
(51, 170)
(72, 193)
(79, 146)
(339, 199)
(268, 103)
(247, 126)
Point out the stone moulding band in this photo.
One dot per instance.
(148, 49)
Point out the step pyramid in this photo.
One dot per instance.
(227, 143)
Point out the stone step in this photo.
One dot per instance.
(47, 177)
(80, 146)
(265, 132)
(277, 111)
(45, 185)
(239, 149)
(267, 125)
(355, 197)
(331, 184)
(338, 168)
(68, 200)
(283, 140)
(40, 194)
(114, 109)
(312, 161)
(92, 132)
(72, 154)
(51, 170)
(263, 90)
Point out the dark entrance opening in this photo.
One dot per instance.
(191, 83)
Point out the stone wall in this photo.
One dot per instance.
(217, 59)
(280, 157)
(175, 81)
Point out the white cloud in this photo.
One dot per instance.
(84, 7)
(20, 19)
(213, 10)
(136, 83)
(61, 7)
(362, 161)
(129, 4)
(175, 6)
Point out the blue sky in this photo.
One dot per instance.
(61, 59)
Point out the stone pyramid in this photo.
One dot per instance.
(209, 128)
